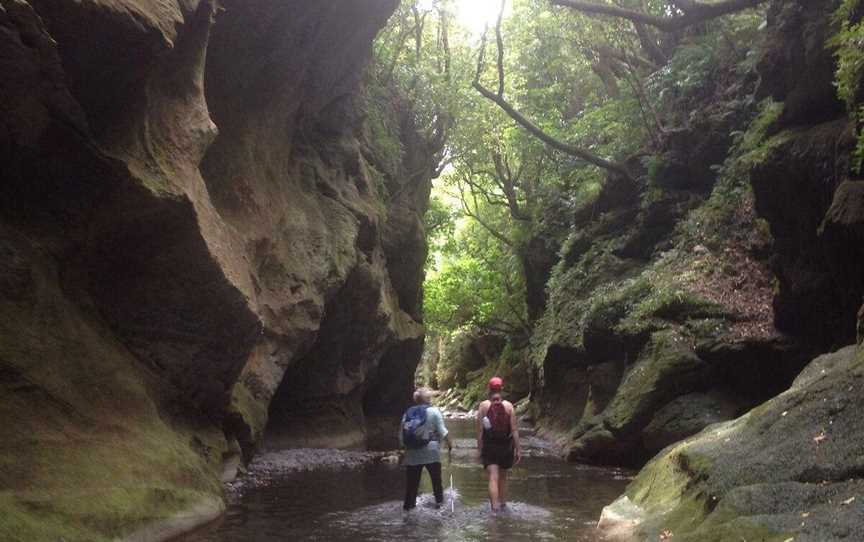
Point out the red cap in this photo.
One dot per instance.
(495, 383)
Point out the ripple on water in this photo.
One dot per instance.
(552, 500)
(457, 523)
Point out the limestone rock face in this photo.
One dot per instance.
(187, 211)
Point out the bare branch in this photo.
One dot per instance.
(504, 180)
(649, 45)
(481, 56)
(500, 43)
(532, 128)
(476, 216)
(566, 148)
(444, 29)
(692, 12)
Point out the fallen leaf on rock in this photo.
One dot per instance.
(848, 501)
(785, 412)
(821, 437)
(805, 514)
(666, 535)
(789, 540)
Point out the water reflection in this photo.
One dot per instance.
(549, 500)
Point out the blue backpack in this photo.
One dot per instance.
(415, 418)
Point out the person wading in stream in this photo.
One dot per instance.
(498, 441)
(422, 431)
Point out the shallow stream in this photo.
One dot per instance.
(549, 500)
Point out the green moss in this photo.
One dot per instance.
(610, 304)
(103, 488)
(665, 366)
(382, 128)
(253, 411)
(19, 523)
(86, 454)
(656, 163)
(760, 128)
(674, 303)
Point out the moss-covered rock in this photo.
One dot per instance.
(787, 469)
(687, 415)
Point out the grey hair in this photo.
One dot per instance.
(423, 395)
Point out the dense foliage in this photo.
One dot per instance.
(849, 44)
(533, 116)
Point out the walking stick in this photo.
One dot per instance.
(452, 492)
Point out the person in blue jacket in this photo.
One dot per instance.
(422, 433)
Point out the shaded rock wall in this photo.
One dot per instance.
(791, 467)
(817, 255)
(664, 300)
(188, 210)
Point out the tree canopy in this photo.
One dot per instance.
(533, 115)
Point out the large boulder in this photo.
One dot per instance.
(788, 469)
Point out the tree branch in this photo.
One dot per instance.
(476, 216)
(692, 12)
(534, 130)
(504, 180)
(649, 45)
(500, 43)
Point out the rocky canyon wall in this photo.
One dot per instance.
(789, 467)
(194, 220)
(703, 290)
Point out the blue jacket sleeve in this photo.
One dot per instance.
(440, 428)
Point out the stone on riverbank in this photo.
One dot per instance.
(788, 469)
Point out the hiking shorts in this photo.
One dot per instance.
(497, 452)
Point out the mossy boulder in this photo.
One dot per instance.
(667, 369)
(789, 468)
(687, 415)
(465, 353)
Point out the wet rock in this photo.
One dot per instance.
(467, 352)
(669, 368)
(538, 257)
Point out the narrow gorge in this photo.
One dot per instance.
(230, 228)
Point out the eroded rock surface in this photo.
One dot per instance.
(189, 209)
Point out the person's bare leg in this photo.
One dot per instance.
(502, 488)
(493, 472)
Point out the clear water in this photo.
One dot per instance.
(549, 500)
